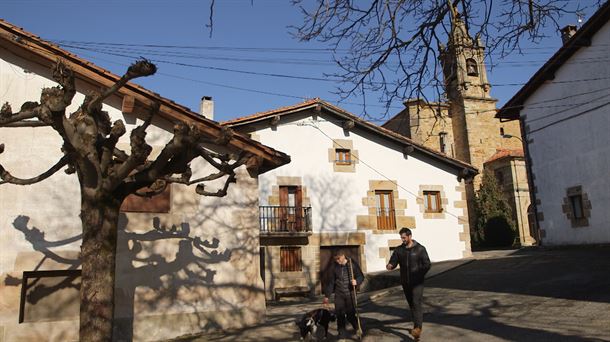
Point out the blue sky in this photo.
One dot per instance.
(247, 38)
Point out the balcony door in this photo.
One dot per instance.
(385, 209)
(291, 208)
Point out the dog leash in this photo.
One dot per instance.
(359, 332)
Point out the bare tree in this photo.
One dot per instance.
(107, 175)
(392, 45)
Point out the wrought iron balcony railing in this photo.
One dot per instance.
(280, 219)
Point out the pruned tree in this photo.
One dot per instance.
(107, 175)
(392, 46)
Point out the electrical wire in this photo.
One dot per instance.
(336, 143)
(568, 118)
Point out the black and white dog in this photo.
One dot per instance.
(311, 321)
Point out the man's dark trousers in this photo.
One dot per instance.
(344, 306)
(414, 295)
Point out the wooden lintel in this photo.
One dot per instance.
(275, 120)
(408, 150)
(129, 104)
(349, 124)
(253, 166)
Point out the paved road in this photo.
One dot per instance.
(519, 295)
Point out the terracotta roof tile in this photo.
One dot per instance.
(262, 115)
(13, 37)
(505, 153)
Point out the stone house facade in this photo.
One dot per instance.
(563, 112)
(351, 185)
(184, 262)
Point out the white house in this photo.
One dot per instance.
(350, 185)
(563, 111)
(185, 263)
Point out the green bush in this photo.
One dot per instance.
(494, 225)
(499, 232)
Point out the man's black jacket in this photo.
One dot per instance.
(336, 274)
(414, 263)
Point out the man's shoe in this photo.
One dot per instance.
(416, 333)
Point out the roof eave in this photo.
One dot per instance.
(377, 129)
(47, 53)
(582, 38)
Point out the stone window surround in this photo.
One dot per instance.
(567, 209)
(385, 252)
(463, 219)
(343, 144)
(420, 201)
(341, 239)
(274, 198)
(369, 222)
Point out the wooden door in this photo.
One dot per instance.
(291, 208)
(327, 262)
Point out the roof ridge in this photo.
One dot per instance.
(318, 101)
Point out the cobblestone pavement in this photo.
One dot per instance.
(510, 295)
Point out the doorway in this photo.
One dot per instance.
(327, 262)
(291, 208)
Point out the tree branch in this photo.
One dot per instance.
(140, 151)
(6, 177)
(389, 43)
(140, 68)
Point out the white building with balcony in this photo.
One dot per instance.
(350, 185)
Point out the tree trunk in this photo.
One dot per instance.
(98, 255)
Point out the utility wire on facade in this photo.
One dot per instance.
(312, 124)
(570, 105)
(308, 78)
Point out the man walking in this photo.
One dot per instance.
(342, 282)
(414, 264)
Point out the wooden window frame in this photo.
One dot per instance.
(295, 261)
(431, 196)
(346, 153)
(385, 222)
(573, 199)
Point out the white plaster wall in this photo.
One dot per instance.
(336, 197)
(575, 151)
(197, 268)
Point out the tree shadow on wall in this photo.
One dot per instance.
(172, 266)
(139, 266)
(39, 286)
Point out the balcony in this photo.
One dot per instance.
(285, 221)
